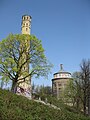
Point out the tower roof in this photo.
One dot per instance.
(62, 70)
(61, 74)
(26, 15)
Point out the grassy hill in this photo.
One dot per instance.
(14, 107)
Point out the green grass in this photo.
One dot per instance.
(14, 107)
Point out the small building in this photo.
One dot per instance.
(59, 81)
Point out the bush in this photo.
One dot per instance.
(14, 107)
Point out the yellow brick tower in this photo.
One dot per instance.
(26, 24)
(25, 84)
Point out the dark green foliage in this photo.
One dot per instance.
(14, 107)
(42, 91)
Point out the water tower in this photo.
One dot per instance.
(59, 81)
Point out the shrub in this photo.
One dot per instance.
(14, 107)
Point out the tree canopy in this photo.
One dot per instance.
(12, 49)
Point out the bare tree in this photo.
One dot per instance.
(79, 89)
(85, 84)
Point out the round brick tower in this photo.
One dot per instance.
(60, 81)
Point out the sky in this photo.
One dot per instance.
(62, 25)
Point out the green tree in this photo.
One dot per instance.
(79, 89)
(11, 61)
(69, 92)
(76, 89)
(43, 91)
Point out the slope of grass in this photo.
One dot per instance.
(14, 107)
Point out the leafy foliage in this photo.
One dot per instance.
(16, 51)
(14, 107)
(41, 91)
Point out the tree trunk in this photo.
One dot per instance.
(77, 103)
(84, 106)
(88, 105)
(14, 86)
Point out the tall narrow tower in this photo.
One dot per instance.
(26, 24)
(25, 29)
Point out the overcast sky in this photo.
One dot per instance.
(62, 25)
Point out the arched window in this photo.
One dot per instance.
(26, 24)
(26, 29)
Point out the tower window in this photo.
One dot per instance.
(26, 29)
(26, 24)
(60, 84)
(27, 17)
